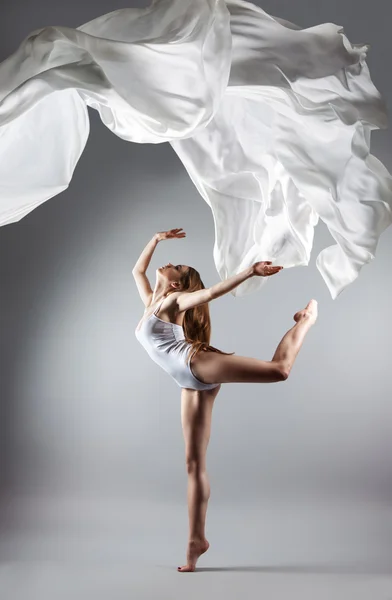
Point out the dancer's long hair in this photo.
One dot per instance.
(197, 322)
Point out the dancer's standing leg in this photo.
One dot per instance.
(196, 415)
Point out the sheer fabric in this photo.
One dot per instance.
(272, 123)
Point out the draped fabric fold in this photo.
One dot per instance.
(272, 123)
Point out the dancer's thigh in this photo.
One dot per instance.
(196, 416)
(212, 367)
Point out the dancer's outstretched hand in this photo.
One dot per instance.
(265, 269)
(168, 235)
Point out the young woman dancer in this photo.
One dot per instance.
(178, 340)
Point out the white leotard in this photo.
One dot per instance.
(165, 343)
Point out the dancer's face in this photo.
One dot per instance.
(171, 274)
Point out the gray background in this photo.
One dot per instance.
(92, 453)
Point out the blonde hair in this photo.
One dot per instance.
(197, 322)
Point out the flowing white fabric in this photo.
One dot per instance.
(272, 123)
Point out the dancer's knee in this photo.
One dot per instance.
(283, 371)
(195, 465)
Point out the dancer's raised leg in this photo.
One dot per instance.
(211, 367)
(291, 343)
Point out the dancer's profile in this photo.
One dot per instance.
(178, 340)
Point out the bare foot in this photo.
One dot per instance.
(195, 549)
(309, 312)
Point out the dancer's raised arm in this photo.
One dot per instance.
(144, 259)
(185, 301)
(140, 268)
(139, 271)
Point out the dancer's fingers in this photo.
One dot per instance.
(273, 270)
